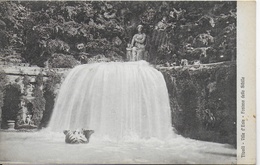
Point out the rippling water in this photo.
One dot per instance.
(49, 147)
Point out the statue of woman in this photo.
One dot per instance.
(138, 44)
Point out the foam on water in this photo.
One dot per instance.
(50, 147)
(117, 100)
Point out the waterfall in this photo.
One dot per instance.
(117, 99)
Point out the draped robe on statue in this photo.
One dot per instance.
(138, 50)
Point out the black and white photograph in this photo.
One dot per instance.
(121, 82)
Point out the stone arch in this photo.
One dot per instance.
(12, 102)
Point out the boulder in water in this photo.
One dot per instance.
(77, 136)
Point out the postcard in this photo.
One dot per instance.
(127, 82)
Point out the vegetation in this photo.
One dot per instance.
(62, 61)
(39, 101)
(3, 80)
(37, 32)
(50, 93)
(26, 83)
(40, 107)
(203, 102)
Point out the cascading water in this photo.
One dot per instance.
(116, 100)
(127, 105)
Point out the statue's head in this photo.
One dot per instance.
(140, 27)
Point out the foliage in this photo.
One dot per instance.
(34, 31)
(62, 61)
(3, 80)
(12, 101)
(11, 18)
(39, 101)
(26, 83)
(39, 80)
(50, 93)
(203, 102)
(51, 83)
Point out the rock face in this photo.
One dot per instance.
(203, 101)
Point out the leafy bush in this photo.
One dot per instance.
(37, 30)
(3, 80)
(39, 101)
(203, 102)
(50, 93)
(62, 61)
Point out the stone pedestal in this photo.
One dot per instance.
(10, 124)
(129, 54)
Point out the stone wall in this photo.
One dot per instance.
(203, 101)
(15, 75)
